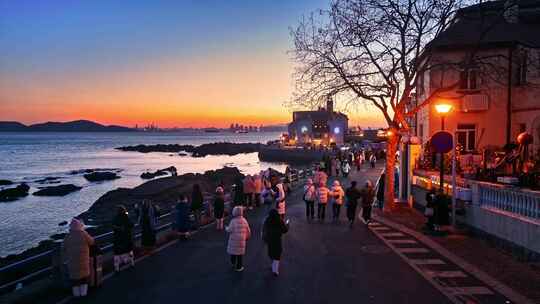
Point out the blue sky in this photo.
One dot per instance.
(66, 59)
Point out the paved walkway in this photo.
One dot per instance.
(322, 263)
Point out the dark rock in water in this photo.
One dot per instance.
(57, 190)
(222, 148)
(5, 182)
(183, 154)
(88, 171)
(12, 194)
(49, 180)
(162, 172)
(157, 148)
(58, 236)
(62, 223)
(100, 176)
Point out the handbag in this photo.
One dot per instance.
(429, 212)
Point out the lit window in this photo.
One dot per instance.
(337, 130)
(304, 129)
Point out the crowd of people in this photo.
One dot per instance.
(265, 189)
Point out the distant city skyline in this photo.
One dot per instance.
(176, 63)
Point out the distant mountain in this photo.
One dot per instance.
(12, 126)
(72, 126)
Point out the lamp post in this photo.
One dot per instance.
(442, 109)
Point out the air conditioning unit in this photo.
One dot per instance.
(475, 103)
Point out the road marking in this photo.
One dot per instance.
(380, 228)
(392, 234)
(474, 290)
(427, 261)
(446, 274)
(412, 250)
(403, 241)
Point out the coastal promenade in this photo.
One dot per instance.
(322, 263)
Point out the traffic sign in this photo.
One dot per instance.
(442, 142)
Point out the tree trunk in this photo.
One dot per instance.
(391, 149)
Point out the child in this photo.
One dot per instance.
(219, 207)
(239, 233)
(337, 194)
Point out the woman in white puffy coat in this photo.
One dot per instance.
(337, 194)
(239, 233)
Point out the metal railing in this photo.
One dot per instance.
(43, 260)
(522, 203)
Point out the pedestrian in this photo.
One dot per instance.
(322, 195)
(429, 211)
(268, 195)
(182, 213)
(367, 195)
(197, 204)
(380, 190)
(372, 160)
(337, 195)
(239, 233)
(257, 180)
(338, 166)
(280, 199)
(249, 188)
(352, 194)
(219, 207)
(309, 199)
(334, 165)
(238, 187)
(358, 161)
(148, 222)
(346, 168)
(76, 252)
(122, 238)
(273, 229)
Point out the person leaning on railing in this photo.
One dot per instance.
(76, 252)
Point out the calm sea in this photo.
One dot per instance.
(32, 156)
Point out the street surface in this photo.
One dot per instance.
(322, 263)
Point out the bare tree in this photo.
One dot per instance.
(375, 51)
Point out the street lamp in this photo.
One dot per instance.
(442, 109)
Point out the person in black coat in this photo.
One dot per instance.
(122, 238)
(197, 204)
(219, 208)
(274, 227)
(380, 190)
(352, 194)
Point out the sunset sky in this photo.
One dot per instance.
(174, 63)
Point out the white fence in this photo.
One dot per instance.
(520, 202)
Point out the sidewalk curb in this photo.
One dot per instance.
(482, 276)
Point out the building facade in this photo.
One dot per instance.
(497, 95)
(322, 127)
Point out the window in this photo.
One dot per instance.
(521, 73)
(468, 79)
(466, 136)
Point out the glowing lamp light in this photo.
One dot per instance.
(389, 133)
(304, 129)
(443, 108)
(337, 130)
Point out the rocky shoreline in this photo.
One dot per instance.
(162, 191)
(222, 148)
